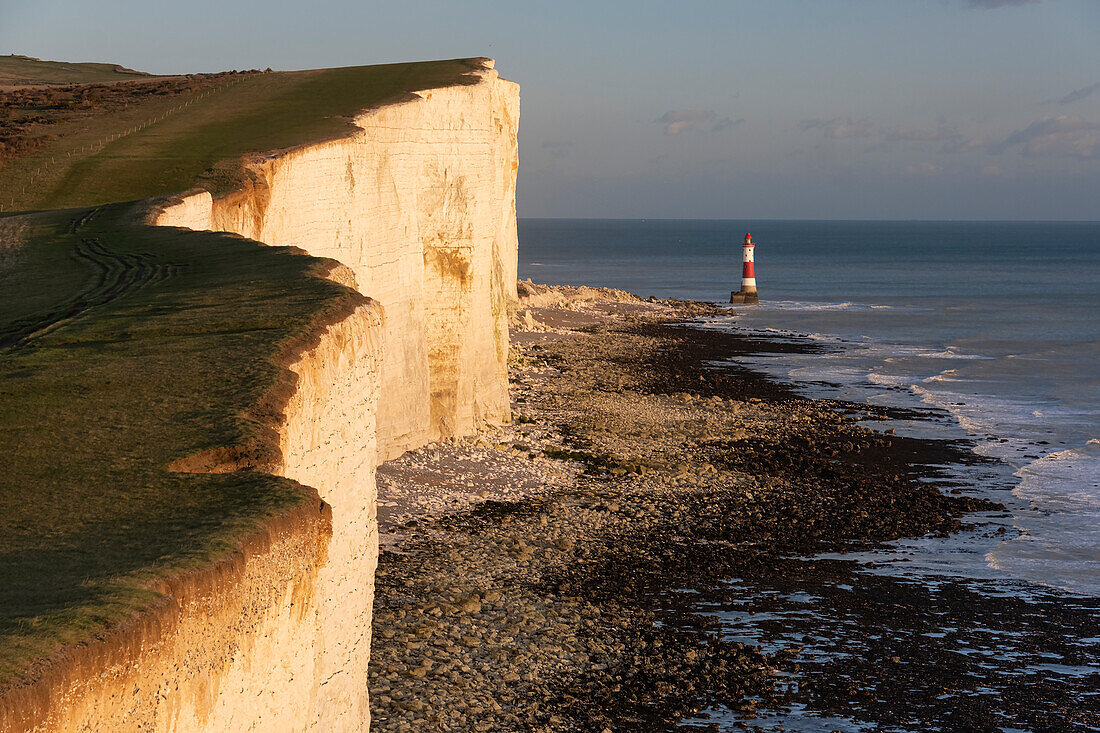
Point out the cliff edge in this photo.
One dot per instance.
(420, 205)
(201, 424)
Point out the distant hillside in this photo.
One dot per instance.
(17, 70)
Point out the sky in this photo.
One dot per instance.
(721, 109)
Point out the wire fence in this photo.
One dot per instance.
(99, 145)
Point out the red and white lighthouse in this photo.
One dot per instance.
(747, 293)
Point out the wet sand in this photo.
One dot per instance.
(637, 552)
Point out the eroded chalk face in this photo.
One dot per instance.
(420, 208)
(420, 205)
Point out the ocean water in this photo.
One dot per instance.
(996, 325)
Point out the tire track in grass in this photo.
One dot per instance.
(114, 275)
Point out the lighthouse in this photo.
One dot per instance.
(747, 293)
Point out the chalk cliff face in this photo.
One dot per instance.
(328, 441)
(420, 207)
(277, 638)
(184, 666)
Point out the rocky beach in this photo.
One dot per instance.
(641, 549)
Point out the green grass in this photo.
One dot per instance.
(16, 69)
(204, 143)
(94, 408)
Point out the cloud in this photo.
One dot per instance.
(952, 140)
(727, 122)
(676, 121)
(991, 171)
(558, 148)
(839, 128)
(1078, 94)
(992, 4)
(923, 169)
(964, 144)
(916, 134)
(1064, 136)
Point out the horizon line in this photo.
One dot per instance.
(930, 221)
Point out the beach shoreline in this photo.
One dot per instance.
(598, 564)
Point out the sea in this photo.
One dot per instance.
(990, 328)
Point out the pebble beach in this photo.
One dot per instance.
(653, 544)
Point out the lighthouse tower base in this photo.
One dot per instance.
(744, 297)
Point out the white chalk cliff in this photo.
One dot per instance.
(419, 205)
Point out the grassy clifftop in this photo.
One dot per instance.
(17, 69)
(124, 347)
(128, 347)
(167, 144)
